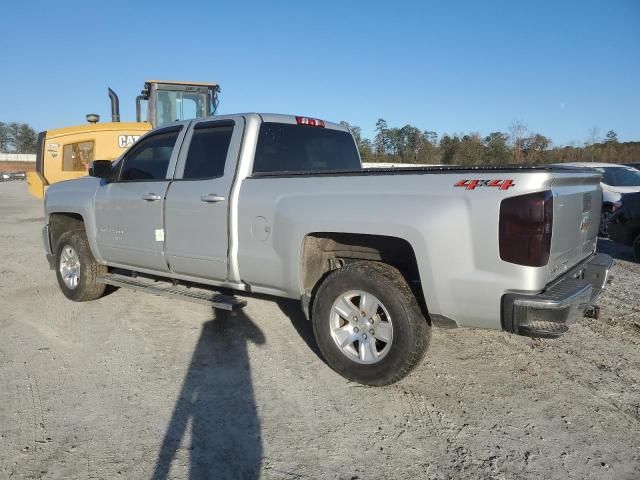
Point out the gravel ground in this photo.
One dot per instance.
(136, 386)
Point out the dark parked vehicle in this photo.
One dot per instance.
(624, 226)
(19, 176)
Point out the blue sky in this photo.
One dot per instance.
(560, 67)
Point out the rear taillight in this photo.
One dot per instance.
(311, 122)
(525, 229)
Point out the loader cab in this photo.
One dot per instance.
(66, 153)
(168, 102)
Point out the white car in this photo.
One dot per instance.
(616, 181)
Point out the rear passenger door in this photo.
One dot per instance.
(197, 204)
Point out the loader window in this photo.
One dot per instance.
(77, 156)
(149, 159)
(173, 106)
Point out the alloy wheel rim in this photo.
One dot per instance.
(361, 327)
(69, 267)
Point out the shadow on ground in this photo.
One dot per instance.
(616, 250)
(303, 326)
(217, 403)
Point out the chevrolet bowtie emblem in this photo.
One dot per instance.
(584, 226)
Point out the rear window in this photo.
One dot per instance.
(620, 176)
(298, 148)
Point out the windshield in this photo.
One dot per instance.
(179, 105)
(620, 176)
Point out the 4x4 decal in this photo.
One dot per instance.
(472, 184)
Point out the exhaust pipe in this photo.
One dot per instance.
(115, 106)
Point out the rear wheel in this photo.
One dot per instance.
(76, 268)
(368, 324)
(605, 216)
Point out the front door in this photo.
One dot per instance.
(197, 205)
(129, 209)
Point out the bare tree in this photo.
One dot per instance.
(517, 131)
(5, 138)
(592, 139)
(533, 147)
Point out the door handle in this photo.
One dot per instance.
(212, 198)
(151, 197)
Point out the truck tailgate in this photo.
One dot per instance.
(577, 202)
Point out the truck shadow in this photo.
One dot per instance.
(217, 402)
(304, 327)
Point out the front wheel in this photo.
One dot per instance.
(368, 324)
(76, 268)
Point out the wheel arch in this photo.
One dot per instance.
(61, 222)
(323, 252)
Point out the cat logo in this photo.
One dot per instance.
(125, 141)
(52, 149)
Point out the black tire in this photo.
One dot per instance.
(636, 249)
(411, 331)
(605, 216)
(87, 287)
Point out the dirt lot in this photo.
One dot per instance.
(136, 386)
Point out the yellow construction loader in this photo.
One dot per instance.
(66, 153)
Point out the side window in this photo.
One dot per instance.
(188, 108)
(149, 159)
(208, 152)
(76, 156)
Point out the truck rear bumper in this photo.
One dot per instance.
(563, 301)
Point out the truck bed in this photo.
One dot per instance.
(429, 170)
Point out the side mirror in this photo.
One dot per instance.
(100, 168)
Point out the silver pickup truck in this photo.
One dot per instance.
(280, 205)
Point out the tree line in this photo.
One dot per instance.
(17, 137)
(409, 144)
(519, 145)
